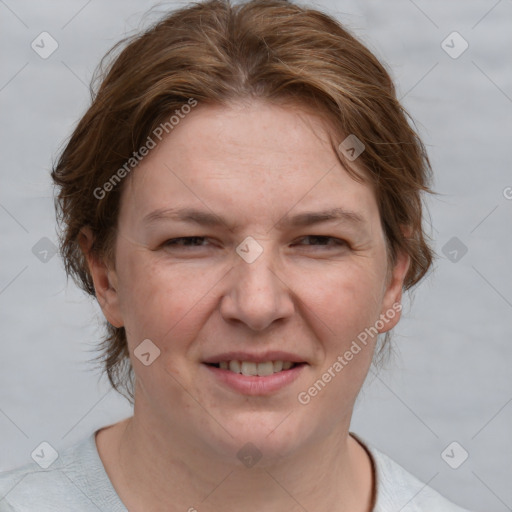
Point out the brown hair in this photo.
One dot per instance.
(215, 52)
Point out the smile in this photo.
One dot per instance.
(255, 378)
(251, 368)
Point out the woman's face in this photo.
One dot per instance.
(262, 284)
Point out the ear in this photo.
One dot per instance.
(104, 279)
(391, 303)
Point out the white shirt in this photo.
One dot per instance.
(78, 482)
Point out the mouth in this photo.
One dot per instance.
(255, 378)
(251, 368)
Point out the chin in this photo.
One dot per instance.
(262, 435)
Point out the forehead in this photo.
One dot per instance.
(268, 158)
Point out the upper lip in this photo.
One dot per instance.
(273, 355)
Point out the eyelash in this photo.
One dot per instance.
(173, 242)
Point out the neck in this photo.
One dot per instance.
(155, 469)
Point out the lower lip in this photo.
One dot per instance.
(254, 385)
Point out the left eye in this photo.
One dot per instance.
(325, 240)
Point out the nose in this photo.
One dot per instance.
(257, 295)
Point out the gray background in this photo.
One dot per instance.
(450, 377)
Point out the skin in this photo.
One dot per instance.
(253, 163)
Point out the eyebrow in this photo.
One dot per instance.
(204, 218)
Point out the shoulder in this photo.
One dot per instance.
(75, 481)
(397, 489)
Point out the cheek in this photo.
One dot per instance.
(347, 299)
(159, 300)
(347, 306)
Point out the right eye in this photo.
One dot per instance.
(185, 241)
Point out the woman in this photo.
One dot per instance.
(243, 198)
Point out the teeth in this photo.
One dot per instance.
(266, 368)
(251, 368)
(234, 366)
